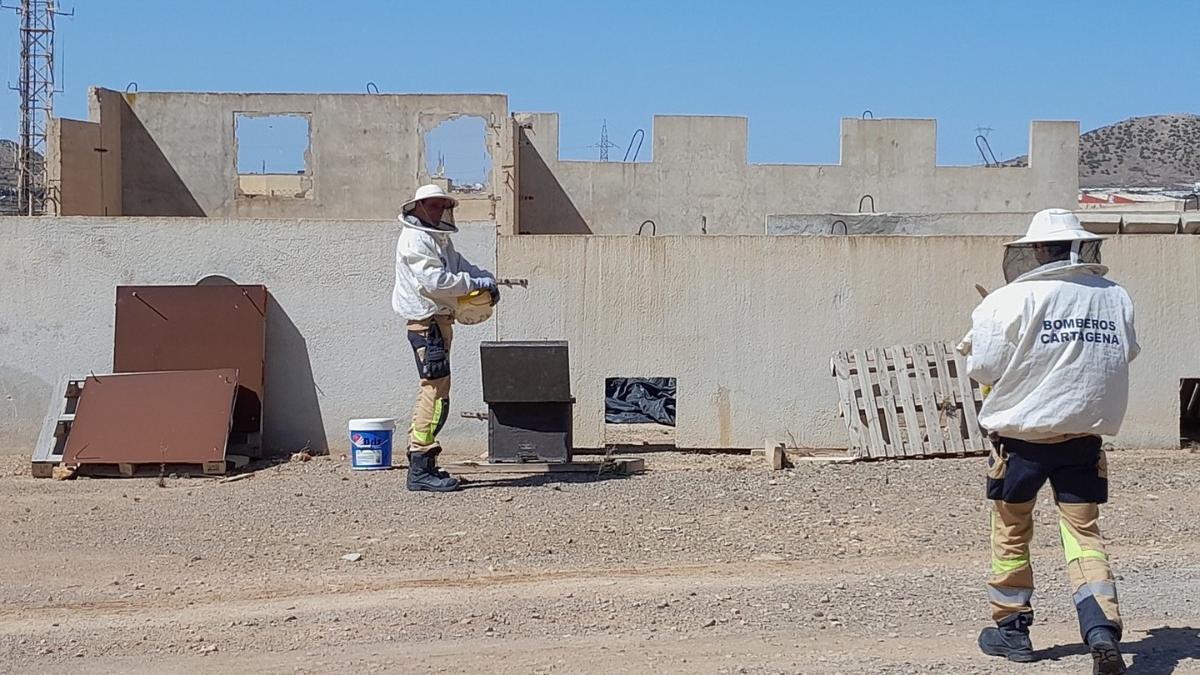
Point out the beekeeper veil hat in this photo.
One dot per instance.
(1055, 238)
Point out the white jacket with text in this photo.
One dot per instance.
(1055, 347)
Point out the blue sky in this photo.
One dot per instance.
(793, 68)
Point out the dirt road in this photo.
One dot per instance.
(706, 564)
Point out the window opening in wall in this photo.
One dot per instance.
(1189, 412)
(272, 155)
(456, 155)
(639, 400)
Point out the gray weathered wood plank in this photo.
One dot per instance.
(928, 400)
(887, 395)
(907, 402)
(967, 397)
(952, 423)
(867, 398)
(840, 364)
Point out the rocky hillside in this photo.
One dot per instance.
(8, 164)
(8, 177)
(1155, 151)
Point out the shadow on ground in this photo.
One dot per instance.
(539, 480)
(1161, 652)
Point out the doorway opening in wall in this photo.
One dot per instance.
(1189, 413)
(273, 157)
(456, 155)
(639, 411)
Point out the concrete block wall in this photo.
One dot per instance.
(747, 323)
(335, 349)
(72, 160)
(699, 174)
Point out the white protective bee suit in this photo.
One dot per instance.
(1054, 345)
(430, 273)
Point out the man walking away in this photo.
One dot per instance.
(1054, 345)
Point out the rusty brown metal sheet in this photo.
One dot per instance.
(161, 328)
(180, 417)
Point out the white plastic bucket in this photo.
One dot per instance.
(371, 443)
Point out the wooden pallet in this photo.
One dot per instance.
(151, 470)
(909, 401)
(56, 426)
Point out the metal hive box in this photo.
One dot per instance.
(527, 386)
(525, 372)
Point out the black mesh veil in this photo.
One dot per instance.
(1021, 259)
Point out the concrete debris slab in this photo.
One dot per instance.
(1150, 223)
(1190, 223)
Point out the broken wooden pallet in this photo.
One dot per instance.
(908, 401)
(56, 426)
(152, 470)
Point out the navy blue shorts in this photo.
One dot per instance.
(1077, 471)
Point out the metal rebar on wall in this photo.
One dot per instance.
(985, 150)
(639, 136)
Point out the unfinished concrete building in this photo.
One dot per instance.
(699, 180)
(746, 324)
(177, 154)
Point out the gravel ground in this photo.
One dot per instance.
(706, 563)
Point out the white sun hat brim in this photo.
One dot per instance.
(428, 192)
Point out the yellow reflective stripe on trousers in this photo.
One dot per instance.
(999, 566)
(1005, 566)
(1071, 546)
(426, 436)
(423, 437)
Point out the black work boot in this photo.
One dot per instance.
(422, 476)
(1106, 652)
(433, 452)
(1009, 638)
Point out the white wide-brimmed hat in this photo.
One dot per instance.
(1055, 225)
(428, 192)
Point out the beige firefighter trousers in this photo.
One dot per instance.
(1078, 472)
(433, 398)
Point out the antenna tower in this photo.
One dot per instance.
(36, 87)
(604, 143)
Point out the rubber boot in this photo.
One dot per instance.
(1009, 639)
(421, 476)
(1106, 652)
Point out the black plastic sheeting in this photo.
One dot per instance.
(639, 400)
